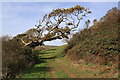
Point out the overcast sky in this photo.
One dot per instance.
(17, 17)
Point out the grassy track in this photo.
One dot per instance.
(43, 69)
(53, 65)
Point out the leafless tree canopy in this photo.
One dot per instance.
(56, 25)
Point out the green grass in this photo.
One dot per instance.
(61, 74)
(42, 70)
(38, 71)
(78, 76)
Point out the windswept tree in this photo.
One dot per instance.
(58, 24)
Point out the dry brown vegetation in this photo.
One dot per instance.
(99, 43)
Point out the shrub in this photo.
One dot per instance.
(15, 57)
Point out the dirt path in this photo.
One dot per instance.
(81, 70)
(52, 72)
(71, 68)
(62, 67)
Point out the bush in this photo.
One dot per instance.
(15, 57)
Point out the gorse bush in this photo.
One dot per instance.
(15, 57)
(98, 43)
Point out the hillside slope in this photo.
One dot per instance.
(99, 43)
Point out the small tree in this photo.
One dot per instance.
(87, 23)
(56, 25)
(95, 21)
